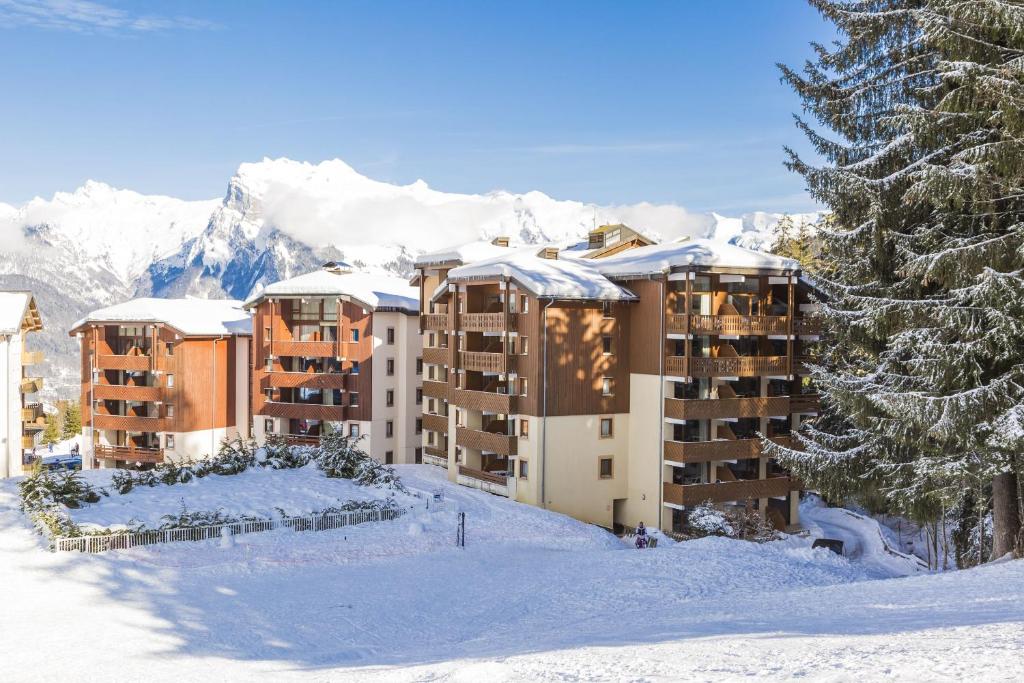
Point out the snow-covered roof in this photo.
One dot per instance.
(543, 277)
(461, 254)
(191, 317)
(661, 258)
(374, 291)
(14, 306)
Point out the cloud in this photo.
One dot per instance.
(83, 16)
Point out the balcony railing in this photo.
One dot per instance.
(434, 321)
(804, 403)
(486, 322)
(128, 423)
(306, 349)
(135, 361)
(435, 355)
(800, 365)
(728, 491)
(31, 385)
(303, 411)
(130, 453)
(435, 389)
(301, 439)
(717, 408)
(493, 477)
(304, 380)
(127, 392)
(807, 326)
(31, 357)
(739, 324)
(490, 482)
(33, 412)
(502, 444)
(487, 401)
(676, 366)
(435, 423)
(483, 361)
(436, 452)
(738, 366)
(723, 449)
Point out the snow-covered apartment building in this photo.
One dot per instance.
(21, 419)
(616, 381)
(337, 349)
(163, 379)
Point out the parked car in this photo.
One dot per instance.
(62, 462)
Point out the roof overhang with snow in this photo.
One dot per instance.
(18, 312)
(380, 293)
(188, 317)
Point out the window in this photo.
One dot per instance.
(430, 438)
(389, 429)
(353, 430)
(170, 348)
(607, 428)
(169, 441)
(604, 468)
(389, 457)
(524, 345)
(524, 428)
(419, 366)
(391, 335)
(419, 455)
(169, 410)
(606, 309)
(355, 367)
(268, 426)
(524, 469)
(353, 398)
(431, 407)
(606, 345)
(390, 365)
(270, 364)
(419, 396)
(524, 303)
(458, 454)
(607, 386)
(419, 425)
(355, 334)
(389, 398)
(522, 386)
(170, 381)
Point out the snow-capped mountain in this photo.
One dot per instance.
(279, 218)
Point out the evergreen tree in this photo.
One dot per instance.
(72, 420)
(921, 272)
(51, 434)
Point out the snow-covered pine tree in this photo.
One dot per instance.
(72, 420)
(922, 267)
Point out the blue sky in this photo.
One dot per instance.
(610, 102)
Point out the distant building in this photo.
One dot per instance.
(21, 419)
(339, 350)
(163, 380)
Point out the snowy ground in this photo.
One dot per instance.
(533, 596)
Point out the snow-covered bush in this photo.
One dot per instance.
(340, 456)
(43, 489)
(707, 520)
(278, 455)
(734, 522)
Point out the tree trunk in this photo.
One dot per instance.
(1005, 514)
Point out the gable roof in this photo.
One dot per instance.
(461, 254)
(376, 292)
(18, 312)
(191, 317)
(662, 258)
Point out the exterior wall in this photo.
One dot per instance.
(10, 405)
(403, 382)
(644, 461)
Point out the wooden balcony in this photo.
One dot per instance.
(676, 366)
(303, 411)
(304, 380)
(435, 389)
(126, 392)
(135, 361)
(476, 439)
(31, 385)
(28, 441)
(435, 423)
(487, 322)
(739, 324)
(305, 349)
(809, 326)
(130, 453)
(483, 361)
(33, 412)
(301, 439)
(804, 403)
(729, 491)
(31, 357)
(491, 482)
(436, 452)
(739, 366)
(491, 477)
(723, 449)
(128, 423)
(435, 355)
(718, 408)
(434, 321)
(487, 401)
(676, 323)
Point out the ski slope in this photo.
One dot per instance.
(534, 596)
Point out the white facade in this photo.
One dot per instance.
(18, 316)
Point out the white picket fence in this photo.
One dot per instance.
(101, 543)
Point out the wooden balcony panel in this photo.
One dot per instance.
(435, 389)
(435, 423)
(31, 385)
(675, 323)
(124, 392)
(33, 412)
(304, 380)
(487, 322)
(435, 451)
(31, 357)
(128, 423)
(739, 324)
(476, 439)
(132, 362)
(130, 453)
(305, 349)
(483, 361)
(809, 326)
(718, 408)
(729, 491)
(303, 411)
(738, 366)
(491, 477)
(804, 403)
(710, 451)
(28, 441)
(435, 355)
(487, 401)
(434, 321)
(301, 439)
(676, 366)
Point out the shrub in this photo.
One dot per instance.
(735, 522)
